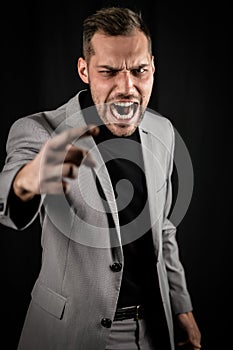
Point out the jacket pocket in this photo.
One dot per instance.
(49, 300)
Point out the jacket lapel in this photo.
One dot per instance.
(74, 118)
(155, 180)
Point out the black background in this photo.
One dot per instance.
(40, 44)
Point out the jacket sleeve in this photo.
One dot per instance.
(25, 139)
(179, 295)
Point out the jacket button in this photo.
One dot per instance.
(106, 322)
(1, 206)
(116, 267)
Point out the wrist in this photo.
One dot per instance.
(21, 185)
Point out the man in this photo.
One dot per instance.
(110, 276)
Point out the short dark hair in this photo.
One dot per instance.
(112, 21)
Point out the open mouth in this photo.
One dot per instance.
(124, 110)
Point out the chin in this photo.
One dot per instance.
(121, 130)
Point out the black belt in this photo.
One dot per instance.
(136, 312)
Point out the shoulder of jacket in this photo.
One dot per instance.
(50, 119)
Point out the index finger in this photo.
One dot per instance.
(59, 142)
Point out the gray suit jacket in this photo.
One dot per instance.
(76, 288)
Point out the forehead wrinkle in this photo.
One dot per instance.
(117, 68)
(120, 52)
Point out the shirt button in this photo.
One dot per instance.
(106, 322)
(116, 267)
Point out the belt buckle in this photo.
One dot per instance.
(137, 313)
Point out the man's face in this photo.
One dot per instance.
(120, 74)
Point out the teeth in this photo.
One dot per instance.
(124, 104)
(120, 116)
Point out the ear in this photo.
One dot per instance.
(82, 70)
(153, 64)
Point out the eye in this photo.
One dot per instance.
(108, 73)
(139, 71)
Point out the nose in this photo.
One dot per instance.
(125, 83)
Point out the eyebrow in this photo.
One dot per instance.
(106, 66)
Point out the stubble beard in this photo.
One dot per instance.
(118, 128)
